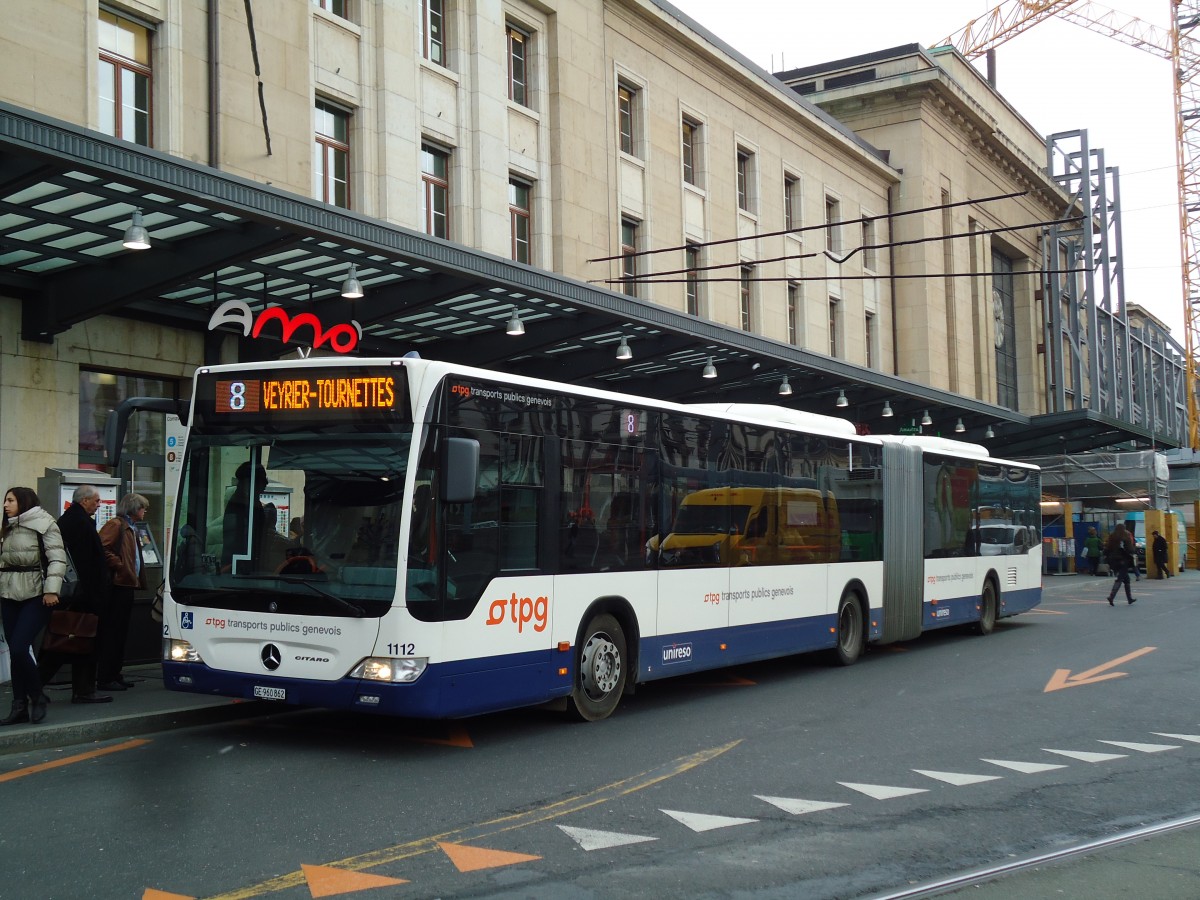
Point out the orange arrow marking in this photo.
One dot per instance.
(472, 859)
(154, 894)
(326, 881)
(1064, 679)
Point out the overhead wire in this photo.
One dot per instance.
(865, 220)
(689, 273)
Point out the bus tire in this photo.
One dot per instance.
(850, 630)
(602, 664)
(988, 608)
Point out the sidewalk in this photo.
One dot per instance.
(141, 709)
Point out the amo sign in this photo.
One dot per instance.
(341, 338)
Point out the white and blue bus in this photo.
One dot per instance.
(473, 541)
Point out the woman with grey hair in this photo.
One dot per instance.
(123, 551)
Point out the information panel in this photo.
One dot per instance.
(318, 394)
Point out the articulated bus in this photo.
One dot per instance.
(473, 541)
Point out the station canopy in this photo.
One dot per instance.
(67, 196)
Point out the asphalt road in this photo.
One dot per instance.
(949, 754)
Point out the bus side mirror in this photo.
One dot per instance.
(460, 470)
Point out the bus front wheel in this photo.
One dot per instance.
(987, 609)
(849, 631)
(601, 669)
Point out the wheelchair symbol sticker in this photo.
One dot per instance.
(185, 621)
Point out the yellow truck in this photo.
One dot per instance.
(752, 526)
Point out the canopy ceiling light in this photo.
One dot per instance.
(841, 400)
(925, 420)
(785, 388)
(136, 236)
(710, 371)
(352, 288)
(989, 433)
(959, 427)
(887, 410)
(515, 325)
(623, 351)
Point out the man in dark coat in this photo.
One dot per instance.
(1159, 550)
(78, 527)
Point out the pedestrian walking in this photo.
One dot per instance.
(32, 566)
(1158, 549)
(78, 527)
(123, 551)
(1094, 548)
(1119, 554)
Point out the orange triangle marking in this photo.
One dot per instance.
(155, 894)
(471, 859)
(326, 881)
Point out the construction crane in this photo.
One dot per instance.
(1176, 44)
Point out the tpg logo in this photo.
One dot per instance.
(676, 653)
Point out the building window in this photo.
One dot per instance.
(331, 156)
(746, 297)
(869, 340)
(518, 66)
(833, 228)
(691, 262)
(124, 79)
(435, 196)
(337, 7)
(519, 217)
(793, 313)
(433, 31)
(629, 269)
(835, 337)
(1004, 314)
(690, 134)
(745, 180)
(870, 255)
(791, 202)
(628, 125)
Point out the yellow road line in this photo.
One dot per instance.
(91, 754)
(495, 826)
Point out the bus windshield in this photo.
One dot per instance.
(240, 492)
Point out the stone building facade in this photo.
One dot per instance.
(973, 323)
(555, 133)
(847, 209)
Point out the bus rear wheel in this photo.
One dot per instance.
(601, 669)
(987, 609)
(849, 631)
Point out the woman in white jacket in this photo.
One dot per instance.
(28, 591)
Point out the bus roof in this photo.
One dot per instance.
(780, 414)
(765, 413)
(937, 444)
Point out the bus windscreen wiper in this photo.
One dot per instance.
(357, 611)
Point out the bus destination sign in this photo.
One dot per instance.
(308, 394)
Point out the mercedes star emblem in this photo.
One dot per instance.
(271, 657)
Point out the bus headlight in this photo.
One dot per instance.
(396, 671)
(180, 651)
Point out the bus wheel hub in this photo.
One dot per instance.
(601, 668)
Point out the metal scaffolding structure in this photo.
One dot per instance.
(1095, 357)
